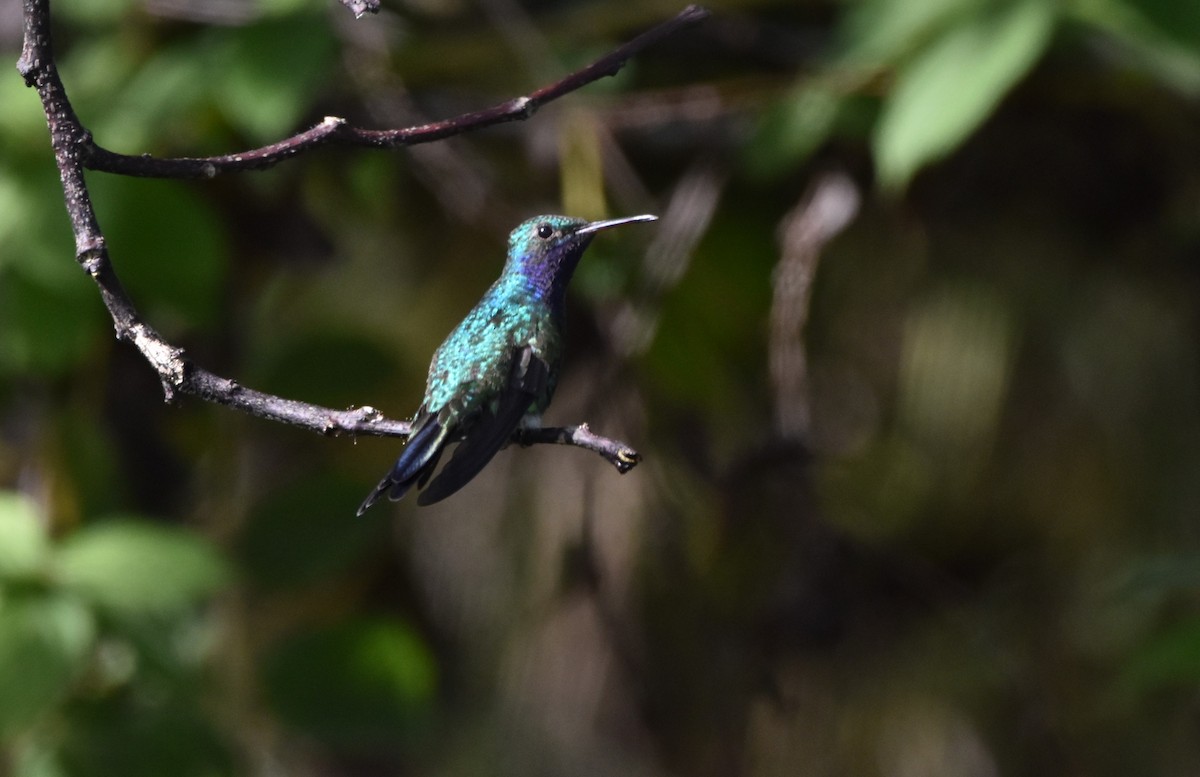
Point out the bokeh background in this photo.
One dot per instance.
(911, 358)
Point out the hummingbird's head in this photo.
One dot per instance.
(546, 249)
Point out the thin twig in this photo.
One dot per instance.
(75, 151)
(615, 452)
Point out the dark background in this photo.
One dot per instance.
(980, 556)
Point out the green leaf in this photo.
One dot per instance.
(943, 94)
(135, 567)
(156, 105)
(1177, 20)
(35, 233)
(793, 129)
(167, 244)
(269, 73)
(360, 683)
(1159, 36)
(22, 119)
(885, 31)
(43, 645)
(23, 545)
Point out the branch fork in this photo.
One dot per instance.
(76, 150)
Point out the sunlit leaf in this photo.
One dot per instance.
(138, 567)
(140, 112)
(97, 68)
(23, 545)
(43, 644)
(270, 71)
(884, 31)
(22, 118)
(947, 90)
(359, 683)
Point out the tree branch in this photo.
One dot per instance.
(75, 150)
(334, 130)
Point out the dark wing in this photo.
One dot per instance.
(415, 464)
(528, 378)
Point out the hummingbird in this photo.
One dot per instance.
(499, 367)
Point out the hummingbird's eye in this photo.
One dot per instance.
(544, 231)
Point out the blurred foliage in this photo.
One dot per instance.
(106, 620)
(983, 558)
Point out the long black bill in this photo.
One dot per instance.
(596, 226)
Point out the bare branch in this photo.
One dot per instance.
(335, 130)
(829, 206)
(616, 452)
(75, 150)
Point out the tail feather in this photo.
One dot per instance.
(416, 462)
(421, 447)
